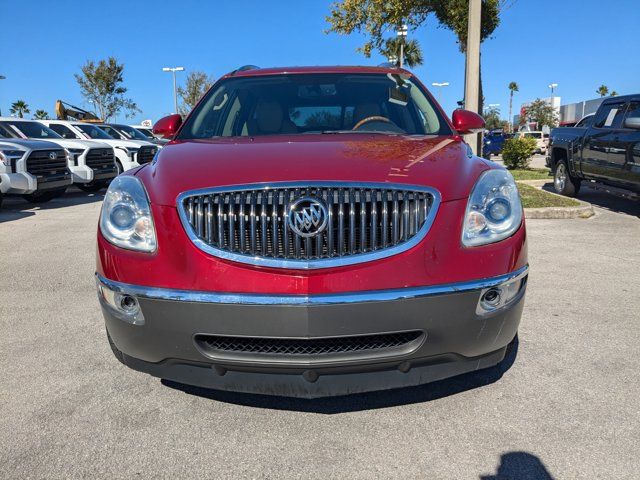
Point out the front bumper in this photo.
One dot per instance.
(18, 183)
(81, 173)
(455, 336)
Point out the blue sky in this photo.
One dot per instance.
(577, 44)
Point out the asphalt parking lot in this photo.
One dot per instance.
(566, 408)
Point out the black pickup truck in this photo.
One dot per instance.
(603, 148)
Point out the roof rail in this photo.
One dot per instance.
(244, 68)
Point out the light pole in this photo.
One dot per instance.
(553, 86)
(402, 33)
(2, 77)
(173, 70)
(440, 85)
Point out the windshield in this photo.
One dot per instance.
(32, 130)
(130, 132)
(145, 131)
(92, 131)
(315, 103)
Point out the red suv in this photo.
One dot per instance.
(310, 232)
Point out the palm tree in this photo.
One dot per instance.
(513, 88)
(614, 93)
(603, 90)
(19, 108)
(412, 53)
(41, 115)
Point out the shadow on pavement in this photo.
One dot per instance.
(362, 401)
(15, 207)
(604, 200)
(519, 466)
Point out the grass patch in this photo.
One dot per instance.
(535, 198)
(530, 174)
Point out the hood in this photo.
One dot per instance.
(84, 144)
(124, 143)
(439, 162)
(22, 144)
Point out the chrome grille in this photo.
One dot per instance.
(297, 347)
(250, 223)
(40, 164)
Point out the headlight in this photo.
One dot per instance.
(9, 157)
(74, 153)
(494, 211)
(125, 219)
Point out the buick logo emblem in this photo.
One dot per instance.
(53, 155)
(308, 216)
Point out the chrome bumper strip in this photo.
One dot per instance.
(306, 300)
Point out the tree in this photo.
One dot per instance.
(196, 86)
(613, 93)
(492, 118)
(513, 88)
(542, 113)
(377, 17)
(41, 115)
(101, 84)
(19, 108)
(603, 90)
(411, 51)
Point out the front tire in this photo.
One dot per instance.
(563, 182)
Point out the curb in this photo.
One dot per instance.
(584, 210)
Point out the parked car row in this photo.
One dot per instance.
(40, 159)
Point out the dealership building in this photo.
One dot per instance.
(568, 114)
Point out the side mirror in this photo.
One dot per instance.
(465, 121)
(632, 122)
(167, 127)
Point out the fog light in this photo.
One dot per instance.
(121, 305)
(499, 296)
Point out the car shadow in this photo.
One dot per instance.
(604, 200)
(519, 466)
(15, 207)
(361, 401)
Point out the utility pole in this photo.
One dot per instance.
(553, 86)
(472, 81)
(173, 70)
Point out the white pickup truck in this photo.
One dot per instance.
(91, 163)
(126, 151)
(34, 169)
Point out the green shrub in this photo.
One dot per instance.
(517, 152)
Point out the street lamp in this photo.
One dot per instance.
(553, 86)
(173, 70)
(2, 77)
(440, 85)
(402, 33)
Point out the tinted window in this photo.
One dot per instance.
(63, 131)
(32, 129)
(314, 103)
(112, 132)
(130, 132)
(609, 116)
(92, 131)
(586, 121)
(634, 110)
